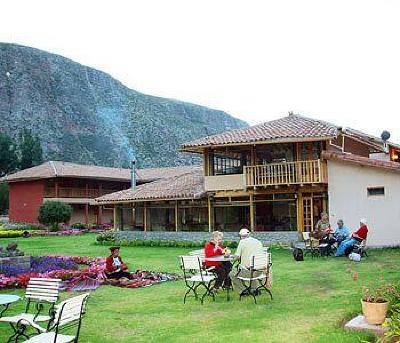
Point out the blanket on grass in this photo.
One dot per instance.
(89, 278)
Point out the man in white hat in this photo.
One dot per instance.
(248, 246)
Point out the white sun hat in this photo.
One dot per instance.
(244, 232)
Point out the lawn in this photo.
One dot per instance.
(312, 299)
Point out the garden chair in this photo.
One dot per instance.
(361, 248)
(196, 276)
(68, 315)
(40, 292)
(311, 244)
(260, 274)
(200, 253)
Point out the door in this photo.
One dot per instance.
(308, 216)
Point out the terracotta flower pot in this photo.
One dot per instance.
(374, 313)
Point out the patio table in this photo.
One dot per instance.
(6, 300)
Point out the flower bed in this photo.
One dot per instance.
(67, 269)
(13, 230)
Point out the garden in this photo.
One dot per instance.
(312, 299)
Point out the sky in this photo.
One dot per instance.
(257, 60)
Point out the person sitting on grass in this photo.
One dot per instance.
(221, 269)
(115, 268)
(356, 237)
(248, 246)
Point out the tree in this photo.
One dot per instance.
(8, 155)
(52, 213)
(30, 150)
(3, 198)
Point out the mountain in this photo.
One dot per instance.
(84, 115)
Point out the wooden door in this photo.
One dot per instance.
(308, 217)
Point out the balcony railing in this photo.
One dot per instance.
(71, 192)
(286, 173)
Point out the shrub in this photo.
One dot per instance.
(21, 226)
(11, 233)
(393, 324)
(54, 212)
(107, 236)
(78, 226)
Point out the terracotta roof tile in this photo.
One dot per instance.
(290, 127)
(67, 169)
(185, 186)
(364, 161)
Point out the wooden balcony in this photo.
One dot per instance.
(71, 192)
(286, 173)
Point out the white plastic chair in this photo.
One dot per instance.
(68, 314)
(196, 276)
(40, 291)
(260, 272)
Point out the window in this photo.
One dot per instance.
(375, 191)
(229, 163)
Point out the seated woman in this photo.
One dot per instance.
(221, 269)
(115, 268)
(322, 228)
(356, 237)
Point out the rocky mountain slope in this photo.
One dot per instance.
(84, 115)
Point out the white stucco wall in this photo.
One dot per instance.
(348, 199)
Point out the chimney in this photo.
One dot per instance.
(385, 137)
(133, 174)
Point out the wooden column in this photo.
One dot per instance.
(87, 214)
(252, 213)
(133, 215)
(100, 215)
(253, 161)
(145, 216)
(206, 165)
(56, 189)
(86, 190)
(176, 216)
(115, 217)
(210, 215)
(300, 219)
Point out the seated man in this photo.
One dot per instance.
(341, 233)
(115, 268)
(356, 237)
(248, 246)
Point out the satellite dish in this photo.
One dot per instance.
(385, 135)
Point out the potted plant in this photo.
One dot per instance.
(375, 303)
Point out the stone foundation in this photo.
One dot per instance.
(22, 263)
(275, 237)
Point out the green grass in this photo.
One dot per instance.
(312, 299)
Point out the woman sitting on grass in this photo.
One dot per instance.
(221, 269)
(115, 268)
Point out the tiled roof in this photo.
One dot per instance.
(291, 127)
(185, 186)
(67, 169)
(364, 161)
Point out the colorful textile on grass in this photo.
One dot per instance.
(67, 269)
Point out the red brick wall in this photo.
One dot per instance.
(25, 200)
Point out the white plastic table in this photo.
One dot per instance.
(221, 258)
(6, 300)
